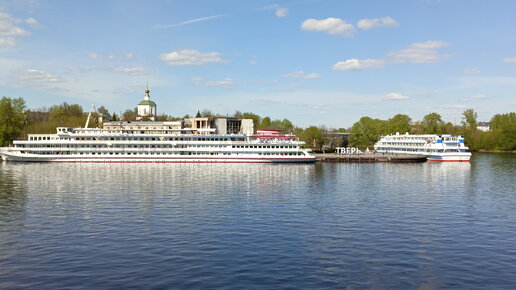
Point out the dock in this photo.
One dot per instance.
(370, 158)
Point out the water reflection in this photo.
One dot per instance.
(13, 211)
(273, 226)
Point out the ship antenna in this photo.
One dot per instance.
(89, 115)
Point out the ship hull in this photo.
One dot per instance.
(449, 158)
(147, 159)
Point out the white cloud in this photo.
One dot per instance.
(281, 12)
(190, 57)
(129, 55)
(330, 25)
(509, 60)
(302, 75)
(475, 97)
(94, 56)
(36, 79)
(396, 96)
(367, 24)
(471, 71)
(9, 28)
(31, 21)
(9, 41)
(421, 52)
(195, 20)
(455, 106)
(252, 62)
(225, 83)
(358, 64)
(132, 70)
(111, 57)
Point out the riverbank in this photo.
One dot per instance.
(370, 158)
(494, 151)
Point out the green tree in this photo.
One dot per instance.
(13, 119)
(503, 127)
(399, 123)
(286, 126)
(309, 135)
(366, 132)
(432, 124)
(469, 119)
(65, 112)
(499, 120)
(266, 123)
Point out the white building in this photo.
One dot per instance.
(146, 108)
(483, 126)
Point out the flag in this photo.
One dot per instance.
(313, 143)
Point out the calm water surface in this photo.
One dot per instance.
(431, 225)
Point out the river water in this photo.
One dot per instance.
(324, 225)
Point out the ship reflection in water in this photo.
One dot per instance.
(330, 225)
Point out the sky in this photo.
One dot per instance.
(314, 62)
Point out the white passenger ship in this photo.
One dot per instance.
(157, 142)
(200, 139)
(434, 147)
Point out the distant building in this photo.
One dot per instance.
(200, 125)
(146, 108)
(230, 125)
(483, 126)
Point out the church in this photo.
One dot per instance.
(146, 108)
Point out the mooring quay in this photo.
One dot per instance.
(370, 158)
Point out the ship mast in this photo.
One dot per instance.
(89, 115)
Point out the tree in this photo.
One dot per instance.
(286, 126)
(469, 119)
(162, 117)
(198, 115)
(103, 111)
(499, 120)
(206, 113)
(432, 124)
(399, 123)
(130, 115)
(66, 113)
(13, 119)
(266, 123)
(115, 117)
(309, 135)
(504, 128)
(366, 132)
(237, 114)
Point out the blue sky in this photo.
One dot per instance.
(314, 62)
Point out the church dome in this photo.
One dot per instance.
(147, 103)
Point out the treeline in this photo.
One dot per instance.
(502, 134)
(16, 122)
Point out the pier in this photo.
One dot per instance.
(370, 158)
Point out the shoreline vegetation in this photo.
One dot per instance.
(16, 121)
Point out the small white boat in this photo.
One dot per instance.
(445, 148)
